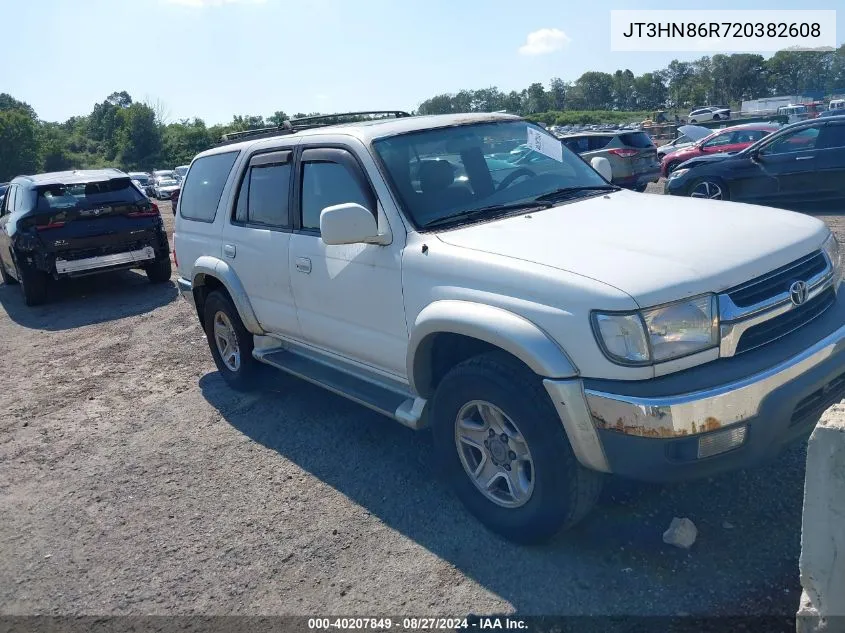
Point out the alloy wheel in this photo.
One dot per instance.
(707, 189)
(227, 341)
(494, 454)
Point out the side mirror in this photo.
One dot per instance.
(348, 223)
(602, 165)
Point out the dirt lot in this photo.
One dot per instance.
(133, 481)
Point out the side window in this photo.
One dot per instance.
(832, 136)
(203, 186)
(798, 141)
(722, 139)
(326, 183)
(579, 144)
(599, 142)
(263, 196)
(9, 202)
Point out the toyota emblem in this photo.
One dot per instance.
(798, 292)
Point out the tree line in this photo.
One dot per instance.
(134, 135)
(720, 79)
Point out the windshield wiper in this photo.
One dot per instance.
(492, 211)
(563, 192)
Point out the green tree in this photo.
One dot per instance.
(18, 144)
(139, 143)
(593, 91)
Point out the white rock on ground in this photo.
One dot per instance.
(822, 563)
(681, 533)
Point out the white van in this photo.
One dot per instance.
(837, 104)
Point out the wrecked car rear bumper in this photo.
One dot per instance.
(743, 421)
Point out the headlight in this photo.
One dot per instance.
(834, 254)
(678, 173)
(659, 334)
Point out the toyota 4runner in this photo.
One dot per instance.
(551, 328)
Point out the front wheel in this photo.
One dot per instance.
(710, 189)
(502, 447)
(716, 117)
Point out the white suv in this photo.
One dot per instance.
(548, 326)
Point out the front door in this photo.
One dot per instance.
(5, 238)
(792, 159)
(348, 297)
(256, 240)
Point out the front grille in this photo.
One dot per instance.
(778, 281)
(782, 325)
(819, 401)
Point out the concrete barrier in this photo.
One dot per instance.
(822, 563)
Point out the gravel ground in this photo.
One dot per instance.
(132, 481)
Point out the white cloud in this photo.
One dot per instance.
(212, 3)
(544, 41)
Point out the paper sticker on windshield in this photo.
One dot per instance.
(545, 143)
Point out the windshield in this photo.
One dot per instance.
(445, 172)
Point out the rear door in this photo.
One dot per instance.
(830, 162)
(256, 239)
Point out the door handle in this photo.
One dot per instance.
(303, 265)
(229, 251)
(804, 157)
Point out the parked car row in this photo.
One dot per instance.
(796, 166)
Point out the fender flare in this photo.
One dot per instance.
(207, 266)
(499, 327)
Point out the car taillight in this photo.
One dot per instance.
(149, 213)
(623, 153)
(51, 225)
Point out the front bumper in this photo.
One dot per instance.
(658, 438)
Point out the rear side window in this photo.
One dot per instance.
(578, 144)
(636, 139)
(204, 185)
(263, 197)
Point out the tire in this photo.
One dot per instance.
(640, 188)
(709, 188)
(219, 310)
(160, 270)
(33, 282)
(561, 491)
(6, 277)
(691, 121)
(672, 166)
(716, 117)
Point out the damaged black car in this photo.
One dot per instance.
(77, 223)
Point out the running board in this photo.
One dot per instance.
(375, 394)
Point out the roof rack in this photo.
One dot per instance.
(307, 122)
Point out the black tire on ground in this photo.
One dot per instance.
(711, 184)
(564, 491)
(34, 283)
(160, 270)
(244, 378)
(691, 121)
(672, 166)
(716, 117)
(640, 188)
(6, 277)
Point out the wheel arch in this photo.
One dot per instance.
(210, 274)
(447, 332)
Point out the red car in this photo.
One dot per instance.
(730, 139)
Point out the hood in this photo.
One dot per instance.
(654, 248)
(707, 158)
(695, 132)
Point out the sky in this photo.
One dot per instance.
(216, 58)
